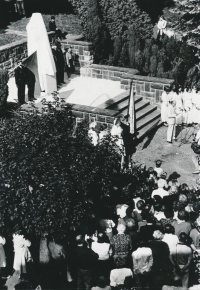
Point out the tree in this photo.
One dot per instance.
(187, 14)
(49, 178)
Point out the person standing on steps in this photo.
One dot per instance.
(69, 61)
(171, 132)
(30, 81)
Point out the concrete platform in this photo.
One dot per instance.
(77, 90)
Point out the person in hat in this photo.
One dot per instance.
(60, 63)
(69, 61)
(20, 80)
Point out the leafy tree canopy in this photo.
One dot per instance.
(49, 178)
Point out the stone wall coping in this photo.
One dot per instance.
(115, 68)
(17, 43)
(93, 110)
(152, 79)
(75, 42)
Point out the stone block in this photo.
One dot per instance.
(92, 116)
(77, 114)
(117, 74)
(86, 116)
(114, 79)
(111, 73)
(122, 87)
(99, 76)
(94, 75)
(153, 90)
(157, 86)
(83, 71)
(138, 89)
(97, 71)
(81, 57)
(75, 47)
(7, 63)
(147, 87)
(147, 94)
(101, 118)
(80, 50)
(110, 120)
(110, 126)
(104, 73)
(125, 82)
(87, 58)
(157, 96)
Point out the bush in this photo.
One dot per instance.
(49, 179)
(3, 91)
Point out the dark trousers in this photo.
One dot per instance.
(31, 89)
(21, 93)
(142, 281)
(84, 279)
(60, 76)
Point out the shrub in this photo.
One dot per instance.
(49, 179)
(3, 91)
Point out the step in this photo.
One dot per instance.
(138, 106)
(148, 119)
(115, 100)
(145, 111)
(121, 105)
(145, 130)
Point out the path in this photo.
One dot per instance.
(177, 157)
(21, 33)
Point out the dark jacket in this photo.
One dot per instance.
(52, 26)
(85, 257)
(20, 76)
(30, 77)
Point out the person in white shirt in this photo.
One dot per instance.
(171, 121)
(160, 191)
(104, 250)
(2, 252)
(164, 99)
(170, 239)
(161, 25)
(92, 133)
(118, 276)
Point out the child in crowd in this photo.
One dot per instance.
(158, 168)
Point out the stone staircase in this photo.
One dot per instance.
(147, 115)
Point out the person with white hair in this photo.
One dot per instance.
(160, 191)
(92, 133)
(121, 245)
(164, 99)
(117, 132)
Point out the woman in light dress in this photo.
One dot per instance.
(179, 106)
(2, 253)
(22, 253)
(187, 104)
(197, 107)
(194, 101)
(164, 99)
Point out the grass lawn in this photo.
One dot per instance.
(66, 22)
(8, 38)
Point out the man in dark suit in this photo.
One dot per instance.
(30, 81)
(20, 80)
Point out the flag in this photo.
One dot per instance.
(131, 111)
(32, 64)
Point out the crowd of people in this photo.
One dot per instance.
(179, 107)
(148, 239)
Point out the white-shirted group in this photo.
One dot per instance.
(179, 107)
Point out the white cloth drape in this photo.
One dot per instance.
(38, 41)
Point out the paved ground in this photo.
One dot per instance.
(177, 157)
(78, 90)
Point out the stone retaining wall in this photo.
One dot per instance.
(82, 51)
(12, 52)
(150, 88)
(91, 114)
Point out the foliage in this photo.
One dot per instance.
(188, 20)
(49, 177)
(3, 90)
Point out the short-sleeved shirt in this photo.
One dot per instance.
(121, 243)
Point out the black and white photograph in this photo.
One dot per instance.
(100, 144)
